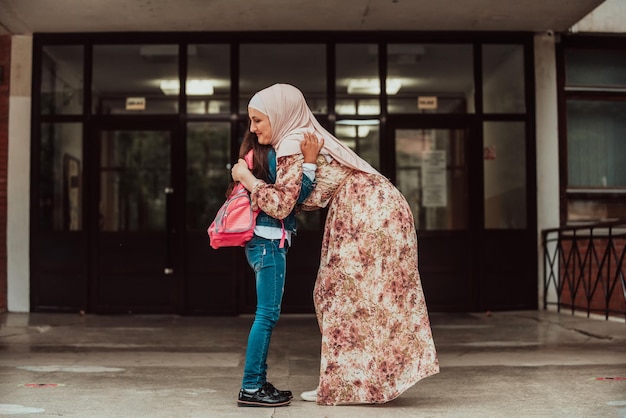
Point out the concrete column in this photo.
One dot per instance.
(547, 143)
(18, 187)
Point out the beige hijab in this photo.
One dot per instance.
(290, 118)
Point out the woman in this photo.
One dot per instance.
(266, 253)
(376, 336)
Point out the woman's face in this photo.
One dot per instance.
(260, 125)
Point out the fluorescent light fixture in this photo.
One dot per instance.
(194, 87)
(350, 131)
(170, 87)
(359, 122)
(372, 86)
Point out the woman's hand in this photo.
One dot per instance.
(310, 147)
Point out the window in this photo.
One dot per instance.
(135, 79)
(208, 79)
(595, 105)
(62, 80)
(503, 79)
(303, 66)
(430, 78)
(61, 168)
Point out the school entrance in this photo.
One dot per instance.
(133, 138)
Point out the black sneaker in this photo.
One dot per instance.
(272, 389)
(261, 397)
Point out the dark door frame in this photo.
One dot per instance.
(175, 202)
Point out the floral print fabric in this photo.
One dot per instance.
(376, 335)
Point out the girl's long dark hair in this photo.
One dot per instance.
(260, 164)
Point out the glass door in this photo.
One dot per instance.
(469, 197)
(133, 267)
(431, 170)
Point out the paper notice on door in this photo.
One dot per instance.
(434, 180)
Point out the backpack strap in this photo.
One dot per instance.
(284, 234)
(248, 157)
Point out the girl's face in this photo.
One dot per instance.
(260, 125)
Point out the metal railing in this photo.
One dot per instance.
(584, 268)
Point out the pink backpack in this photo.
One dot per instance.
(234, 223)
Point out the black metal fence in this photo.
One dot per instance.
(584, 268)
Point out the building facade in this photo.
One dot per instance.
(120, 145)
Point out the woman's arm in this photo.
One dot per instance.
(279, 199)
(310, 147)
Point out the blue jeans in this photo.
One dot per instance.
(269, 264)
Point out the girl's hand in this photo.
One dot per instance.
(310, 147)
(240, 170)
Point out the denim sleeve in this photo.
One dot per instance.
(305, 189)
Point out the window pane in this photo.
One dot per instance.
(60, 181)
(595, 68)
(357, 80)
(432, 174)
(596, 143)
(302, 65)
(62, 80)
(134, 173)
(441, 75)
(585, 210)
(363, 137)
(208, 171)
(505, 175)
(503, 79)
(126, 75)
(208, 79)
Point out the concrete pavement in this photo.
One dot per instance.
(507, 364)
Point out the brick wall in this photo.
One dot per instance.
(590, 276)
(5, 61)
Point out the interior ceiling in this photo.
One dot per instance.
(66, 16)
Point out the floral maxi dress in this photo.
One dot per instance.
(376, 335)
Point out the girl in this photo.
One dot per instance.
(266, 254)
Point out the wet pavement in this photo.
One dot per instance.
(507, 364)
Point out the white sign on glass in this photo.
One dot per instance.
(434, 180)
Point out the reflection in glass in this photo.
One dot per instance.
(134, 175)
(503, 79)
(595, 68)
(363, 137)
(586, 210)
(208, 79)
(123, 72)
(62, 80)
(432, 174)
(595, 144)
(505, 175)
(208, 173)
(357, 79)
(434, 71)
(60, 177)
(302, 65)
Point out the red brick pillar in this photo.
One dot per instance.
(5, 65)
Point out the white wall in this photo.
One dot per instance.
(18, 187)
(609, 17)
(547, 143)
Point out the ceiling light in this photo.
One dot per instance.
(359, 122)
(372, 86)
(194, 87)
